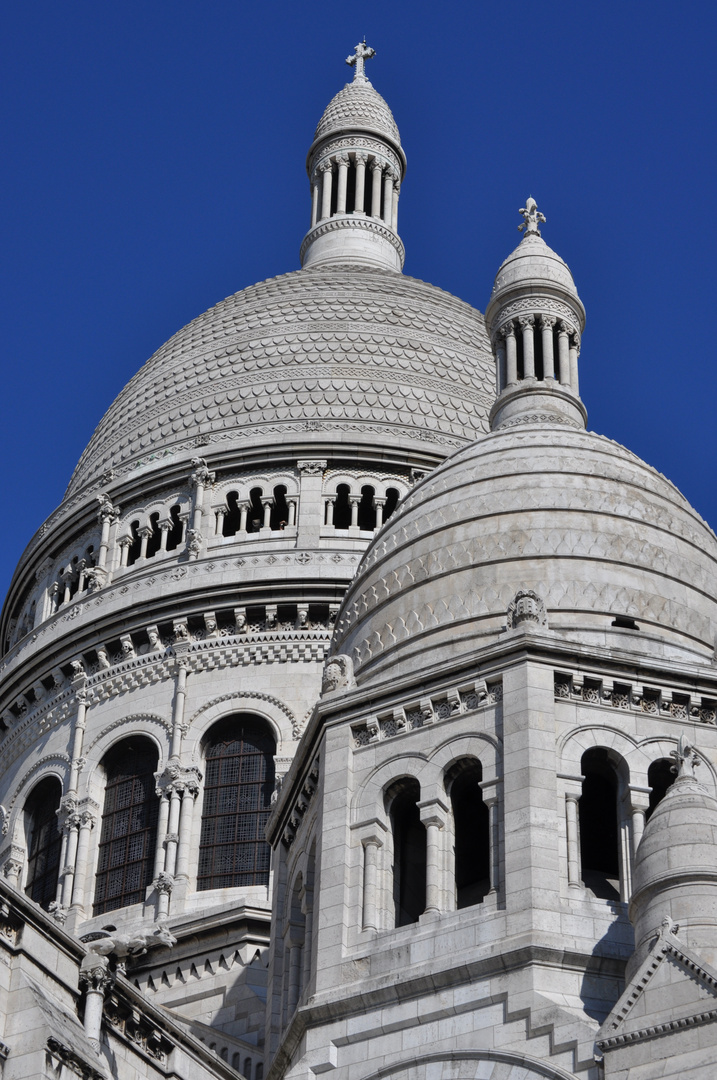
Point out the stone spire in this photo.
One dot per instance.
(675, 874)
(535, 319)
(355, 167)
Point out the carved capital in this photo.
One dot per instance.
(547, 322)
(105, 510)
(526, 321)
(361, 157)
(325, 166)
(311, 467)
(507, 331)
(342, 158)
(95, 974)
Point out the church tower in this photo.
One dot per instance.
(523, 646)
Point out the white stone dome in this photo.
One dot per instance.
(358, 107)
(531, 263)
(569, 515)
(337, 355)
(675, 872)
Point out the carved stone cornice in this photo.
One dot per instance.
(350, 221)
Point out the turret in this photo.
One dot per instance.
(355, 166)
(535, 319)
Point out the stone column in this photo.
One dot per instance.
(325, 170)
(164, 527)
(220, 513)
(71, 825)
(267, 504)
(191, 778)
(144, 533)
(311, 481)
(199, 479)
(243, 515)
(360, 157)
(291, 503)
(547, 322)
(638, 806)
(125, 542)
(526, 325)
(330, 503)
(371, 845)
(573, 351)
(376, 172)
(388, 196)
(172, 837)
(314, 201)
(571, 816)
(378, 505)
(500, 376)
(511, 354)
(563, 355)
(87, 824)
(343, 163)
(180, 696)
(491, 802)
(355, 501)
(13, 864)
(107, 515)
(394, 205)
(433, 816)
(95, 980)
(160, 852)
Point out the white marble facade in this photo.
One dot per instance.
(344, 515)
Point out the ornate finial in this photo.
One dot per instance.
(686, 759)
(362, 52)
(532, 216)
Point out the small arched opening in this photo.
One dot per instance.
(256, 511)
(176, 529)
(342, 507)
(599, 839)
(366, 510)
(135, 544)
(409, 851)
(660, 777)
(279, 509)
(471, 824)
(155, 539)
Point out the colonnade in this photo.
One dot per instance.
(382, 187)
(547, 347)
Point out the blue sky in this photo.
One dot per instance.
(153, 163)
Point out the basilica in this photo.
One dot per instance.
(358, 706)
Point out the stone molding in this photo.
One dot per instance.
(353, 221)
(357, 142)
(664, 702)
(443, 705)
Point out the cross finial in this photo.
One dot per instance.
(532, 217)
(361, 53)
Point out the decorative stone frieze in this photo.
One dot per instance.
(666, 702)
(406, 718)
(301, 804)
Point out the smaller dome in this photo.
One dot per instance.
(676, 865)
(532, 262)
(358, 106)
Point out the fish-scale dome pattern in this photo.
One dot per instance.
(350, 352)
(569, 515)
(358, 105)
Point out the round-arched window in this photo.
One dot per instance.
(238, 784)
(44, 841)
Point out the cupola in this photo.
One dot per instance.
(675, 875)
(355, 166)
(535, 319)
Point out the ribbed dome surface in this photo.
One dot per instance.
(358, 106)
(349, 353)
(533, 261)
(570, 515)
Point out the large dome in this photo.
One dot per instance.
(329, 355)
(594, 531)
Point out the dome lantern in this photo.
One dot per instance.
(355, 166)
(535, 319)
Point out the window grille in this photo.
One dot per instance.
(238, 784)
(129, 826)
(44, 841)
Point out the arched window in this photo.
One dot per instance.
(256, 510)
(366, 510)
(279, 509)
(471, 832)
(342, 508)
(599, 841)
(136, 544)
(44, 841)
(392, 497)
(232, 519)
(129, 825)
(238, 784)
(409, 851)
(176, 531)
(660, 777)
(155, 539)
